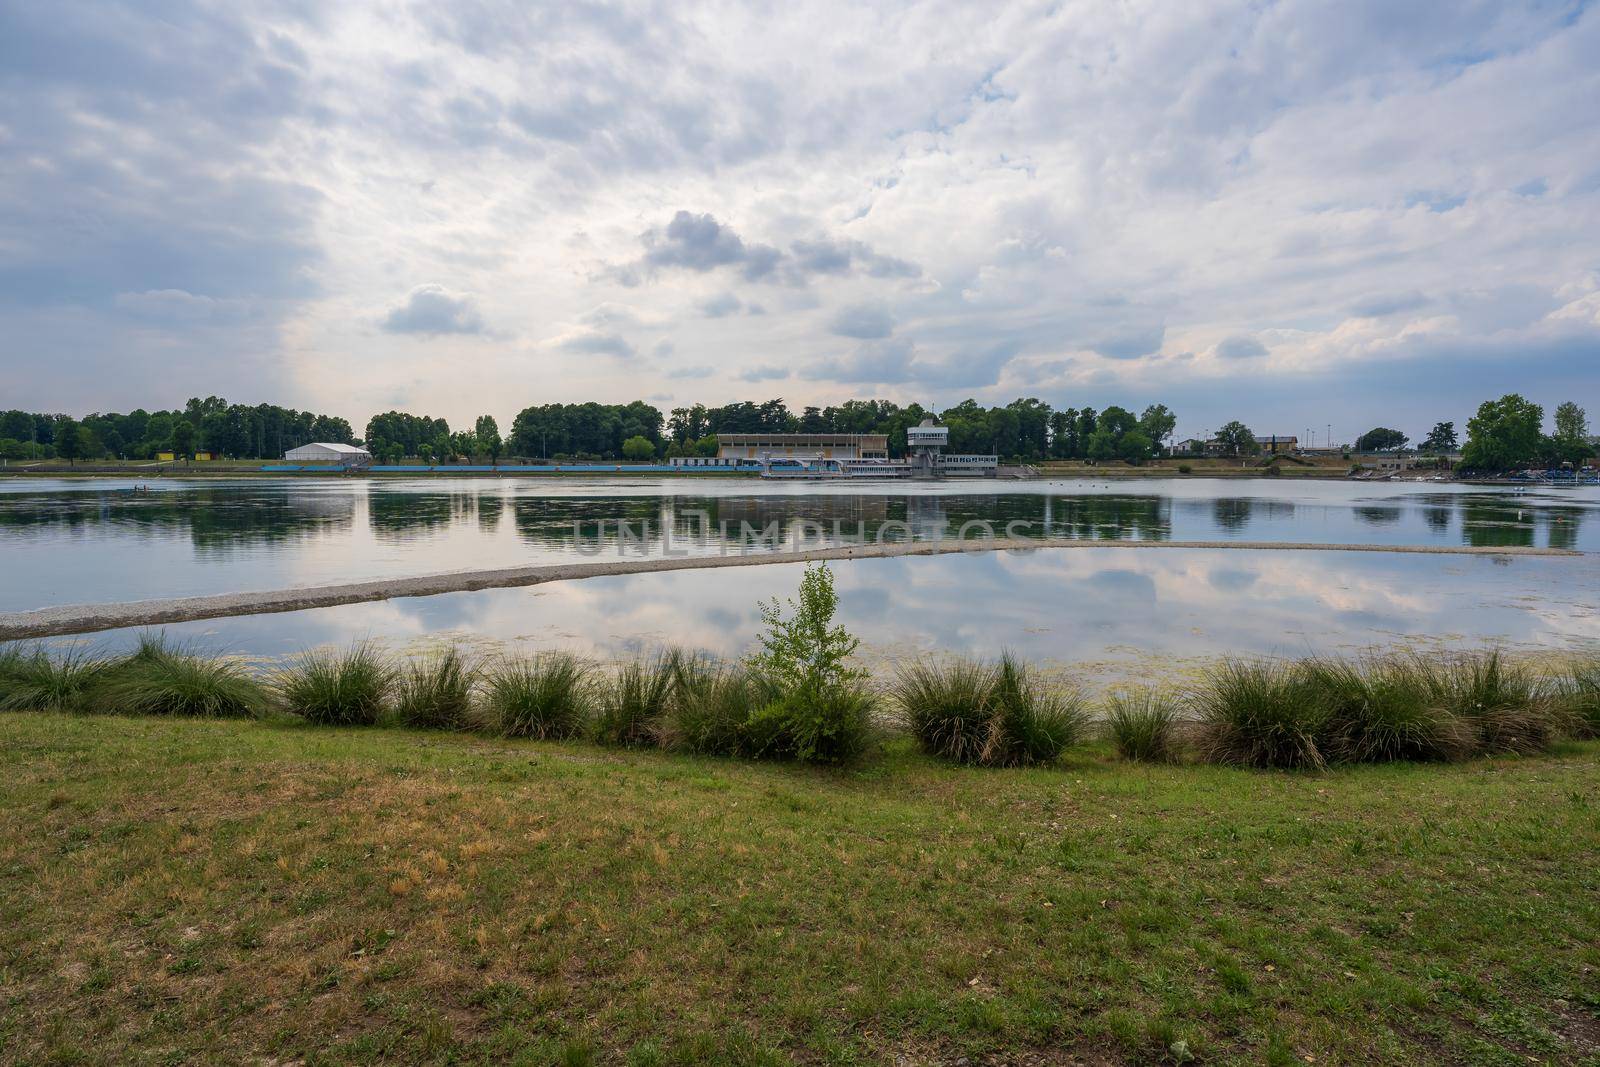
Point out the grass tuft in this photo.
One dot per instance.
(1578, 694)
(36, 681)
(632, 705)
(159, 680)
(1143, 725)
(1386, 710)
(1508, 709)
(992, 715)
(436, 693)
(348, 688)
(1260, 714)
(711, 706)
(546, 697)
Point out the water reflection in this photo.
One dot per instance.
(1122, 613)
(72, 542)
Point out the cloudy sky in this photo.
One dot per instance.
(1297, 213)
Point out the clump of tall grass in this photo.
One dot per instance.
(158, 680)
(1578, 694)
(435, 693)
(546, 697)
(1261, 714)
(631, 706)
(349, 688)
(1386, 710)
(989, 714)
(1143, 725)
(37, 681)
(1506, 706)
(711, 706)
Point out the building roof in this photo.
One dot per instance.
(347, 450)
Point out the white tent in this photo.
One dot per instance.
(324, 452)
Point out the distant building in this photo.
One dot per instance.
(326, 452)
(1268, 444)
(802, 446)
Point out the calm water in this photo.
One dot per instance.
(67, 542)
(1111, 614)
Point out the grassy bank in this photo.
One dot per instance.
(182, 889)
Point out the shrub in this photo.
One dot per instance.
(711, 706)
(1144, 726)
(1383, 711)
(994, 715)
(348, 688)
(33, 681)
(1260, 714)
(158, 680)
(631, 706)
(546, 697)
(817, 709)
(1503, 703)
(830, 726)
(436, 693)
(1184, 468)
(1579, 697)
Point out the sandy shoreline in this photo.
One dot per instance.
(89, 618)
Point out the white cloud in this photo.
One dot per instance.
(1105, 203)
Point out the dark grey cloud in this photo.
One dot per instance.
(1378, 305)
(883, 362)
(700, 243)
(721, 306)
(766, 373)
(1131, 342)
(597, 343)
(864, 322)
(432, 310)
(1240, 347)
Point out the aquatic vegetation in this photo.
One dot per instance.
(350, 688)
(1143, 725)
(545, 697)
(435, 693)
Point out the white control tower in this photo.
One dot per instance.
(925, 442)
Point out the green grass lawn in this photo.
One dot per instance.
(221, 891)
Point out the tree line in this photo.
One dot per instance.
(1505, 434)
(260, 431)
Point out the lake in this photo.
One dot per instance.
(1110, 613)
(82, 541)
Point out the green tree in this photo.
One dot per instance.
(1504, 434)
(184, 435)
(1157, 423)
(1136, 447)
(1570, 442)
(1381, 439)
(69, 443)
(638, 448)
(488, 433)
(1236, 439)
(1440, 439)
